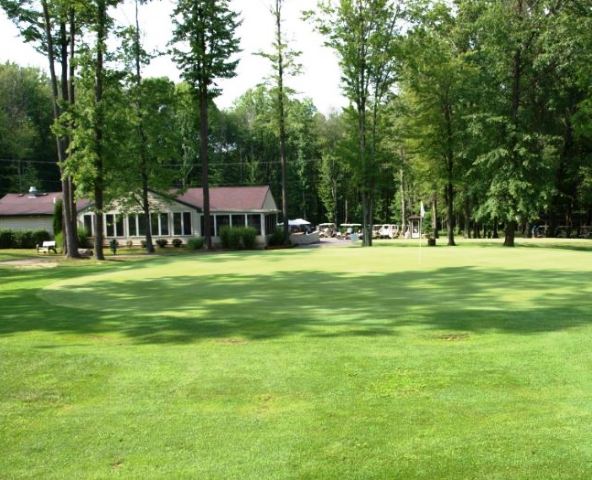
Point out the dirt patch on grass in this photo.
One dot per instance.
(232, 341)
(31, 263)
(453, 337)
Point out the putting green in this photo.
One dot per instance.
(383, 287)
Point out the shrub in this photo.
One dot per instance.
(40, 236)
(231, 237)
(276, 238)
(83, 241)
(225, 237)
(162, 242)
(249, 237)
(7, 239)
(177, 242)
(237, 238)
(196, 243)
(59, 239)
(129, 244)
(58, 216)
(143, 243)
(25, 239)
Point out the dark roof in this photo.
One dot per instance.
(223, 199)
(41, 204)
(228, 199)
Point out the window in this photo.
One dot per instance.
(177, 223)
(88, 224)
(113, 225)
(187, 230)
(164, 224)
(221, 222)
(154, 223)
(132, 225)
(119, 226)
(203, 228)
(110, 225)
(270, 224)
(254, 221)
(142, 224)
(238, 220)
(182, 224)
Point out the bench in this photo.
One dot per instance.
(46, 247)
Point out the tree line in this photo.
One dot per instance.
(481, 109)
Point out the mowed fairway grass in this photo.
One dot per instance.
(333, 363)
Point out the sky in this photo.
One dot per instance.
(319, 80)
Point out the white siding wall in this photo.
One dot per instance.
(269, 203)
(27, 223)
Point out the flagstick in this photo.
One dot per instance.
(420, 226)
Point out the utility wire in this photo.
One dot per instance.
(173, 165)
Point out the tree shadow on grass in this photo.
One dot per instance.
(182, 309)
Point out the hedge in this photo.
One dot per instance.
(237, 238)
(23, 239)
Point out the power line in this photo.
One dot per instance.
(174, 165)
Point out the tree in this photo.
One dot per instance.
(51, 26)
(438, 90)
(27, 146)
(284, 63)
(204, 35)
(515, 150)
(146, 156)
(364, 33)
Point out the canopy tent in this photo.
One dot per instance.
(299, 222)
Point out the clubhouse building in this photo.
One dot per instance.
(172, 216)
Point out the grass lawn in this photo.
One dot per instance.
(472, 362)
(17, 254)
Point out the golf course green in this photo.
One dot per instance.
(473, 362)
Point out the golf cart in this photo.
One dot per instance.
(346, 230)
(327, 230)
(389, 231)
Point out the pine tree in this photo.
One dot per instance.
(205, 42)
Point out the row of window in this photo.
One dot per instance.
(217, 222)
(162, 224)
(175, 224)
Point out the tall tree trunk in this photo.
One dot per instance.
(99, 184)
(510, 234)
(142, 135)
(434, 215)
(71, 239)
(467, 216)
(203, 152)
(71, 101)
(450, 214)
(510, 231)
(403, 204)
(282, 118)
(449, 176)
(71, 247)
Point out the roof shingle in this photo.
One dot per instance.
(222, 199)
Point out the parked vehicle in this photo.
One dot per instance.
(346, 230)
(389, 231)
(585, 231)
(376, 231)
(327, 230)
(540, 231)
